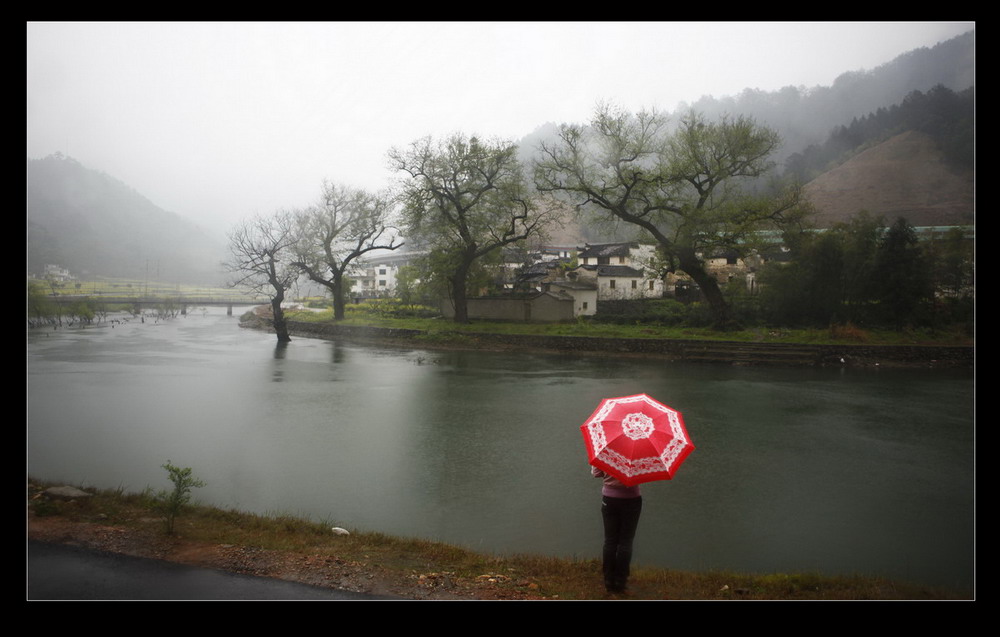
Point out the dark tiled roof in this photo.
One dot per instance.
(775, 253)
(574, 285)
(607, 250)
(724, 253)
(534, 269)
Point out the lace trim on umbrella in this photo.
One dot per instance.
(637, 426)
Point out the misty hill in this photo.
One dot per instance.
(91, 223)
(948, 117)
(850, 138)
(906, 176)
(807, 115)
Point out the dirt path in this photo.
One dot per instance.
(314, 569)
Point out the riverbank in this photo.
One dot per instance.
(297, 550)
(686, 350)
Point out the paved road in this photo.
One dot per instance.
(60, 572)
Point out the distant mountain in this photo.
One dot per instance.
(91, 223)
(905, 176)
(806, 115)
(897, 140)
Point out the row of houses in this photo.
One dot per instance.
(556, 282)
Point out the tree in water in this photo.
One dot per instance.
(694, 191)
(260, 261)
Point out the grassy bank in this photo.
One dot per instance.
(294, 549)
(387, 315)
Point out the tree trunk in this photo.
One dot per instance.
(280, 325)
(337, 292)
(690, 264)
(458, 294)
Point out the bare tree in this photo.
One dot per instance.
(465, 198)
(335, 234)
(692, 191)
(260, 261)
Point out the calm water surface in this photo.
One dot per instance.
(836, 471)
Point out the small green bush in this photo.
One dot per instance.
(391, 308)
(172, 503)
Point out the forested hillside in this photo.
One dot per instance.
(806, 115)
(91, 223)
(946, 117)
(914, 160)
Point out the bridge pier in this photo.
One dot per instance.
(229, 310)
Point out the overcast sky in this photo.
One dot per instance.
(217, 121)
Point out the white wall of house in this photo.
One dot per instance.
(615, 288)
(620, 287)
(56, 272)
(584, 299)
(375, 279)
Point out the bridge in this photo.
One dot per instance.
(181, 302)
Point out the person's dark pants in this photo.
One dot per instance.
(621, 517)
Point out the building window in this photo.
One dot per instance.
(381, 270)
(381, 283)
(635, 284)
(585, 305)
(621, 259)
(612, 284)
(650, 286)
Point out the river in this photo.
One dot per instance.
(815, 470)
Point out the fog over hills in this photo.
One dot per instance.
(906, 175)
(807, 115)
(91, 222)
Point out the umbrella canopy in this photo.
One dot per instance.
(636, 439)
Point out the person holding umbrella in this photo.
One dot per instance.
(630, 440)
(620, 509)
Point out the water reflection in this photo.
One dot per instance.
(280, 350)
(830, 470)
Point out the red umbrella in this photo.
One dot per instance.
(636, 439)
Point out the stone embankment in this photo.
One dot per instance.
(728, 352)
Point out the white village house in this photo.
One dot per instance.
(621, 271)
(377, 276)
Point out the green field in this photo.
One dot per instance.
(140, 289)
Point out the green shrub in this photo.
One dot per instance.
(173, 502)
(392, 308)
